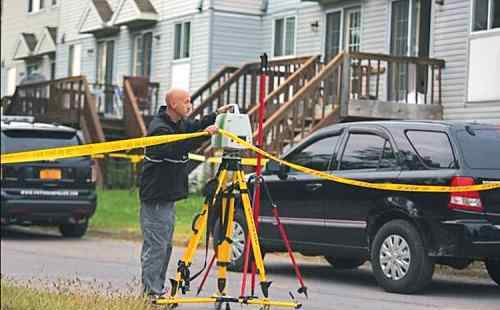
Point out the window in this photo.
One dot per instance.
(316, 155)
(353, 29)
(141, 62)
(480, 146)
(31, 68)
(486, 15)
(74, 60)
(433, 148)
(35, 5)
(52, 62)
(182, 40)
(284, 36)
(54, 2)
(18, 140)
(105, 61)
(367, 151)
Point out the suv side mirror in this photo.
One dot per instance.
(273, 167)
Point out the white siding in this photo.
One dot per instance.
(200, 37)
(236, 39)
(15, 19)
(309, 42)
(90, 20)
(124, 50)
(238, 6)
(375, 26)
(126, 11)
(450, 36)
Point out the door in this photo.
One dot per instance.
(332, 48)
(367, 155)
(410, 36)
(301, 198)
(105, 62)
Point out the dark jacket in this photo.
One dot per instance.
(164, 175)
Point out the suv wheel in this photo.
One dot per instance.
(493, 267)
(399, 260)
(73, 230)
(345, 263)
(239, 240)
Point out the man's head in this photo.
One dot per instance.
(178, 103)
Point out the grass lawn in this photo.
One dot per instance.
(118, 213)
(20, 298)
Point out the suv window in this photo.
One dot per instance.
(480, 146)
(316, 155)
(367, 151)
(433, 147)
(17, 140)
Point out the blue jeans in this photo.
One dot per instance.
(157, 225)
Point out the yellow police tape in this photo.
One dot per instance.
(95, 148)
(381, 186)
(114, 146)
(135, 158)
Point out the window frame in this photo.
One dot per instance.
(103, 70)
(182, 41)
(37, 6)
(134, 55)
(284, 18)
(489, 21)
(35, 66)
(422, 161)
(370, 131)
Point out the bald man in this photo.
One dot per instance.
(164, 180)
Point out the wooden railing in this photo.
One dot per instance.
(242, 86)
(65, 101)
(140, 102)
(212, 84)
(286, 90)
(132, 117)
(313, 106)
(392, 78)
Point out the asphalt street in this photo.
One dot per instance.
(28, 256)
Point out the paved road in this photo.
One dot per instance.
(27, 255)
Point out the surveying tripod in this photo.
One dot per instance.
(231, 162)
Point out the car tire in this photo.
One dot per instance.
(493, 267)
(73, 230)
(239, 240)
(345, 263)
(413, 268)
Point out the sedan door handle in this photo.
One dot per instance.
(312, 187)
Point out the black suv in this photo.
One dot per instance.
(59, 192)
(403, 234)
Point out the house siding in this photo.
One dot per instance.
(241, 44)
(127, 11)
(231, 32)
(450, 37)
(15, 20)
(238, 6)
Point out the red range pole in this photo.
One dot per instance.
(258, 171)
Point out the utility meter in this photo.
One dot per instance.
(238, 124)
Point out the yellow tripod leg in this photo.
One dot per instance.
(224, 248)
(183, 274)
(252, 233)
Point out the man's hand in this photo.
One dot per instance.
(224, 108)
(212, 129)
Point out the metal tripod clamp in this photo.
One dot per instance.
(263, 63)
